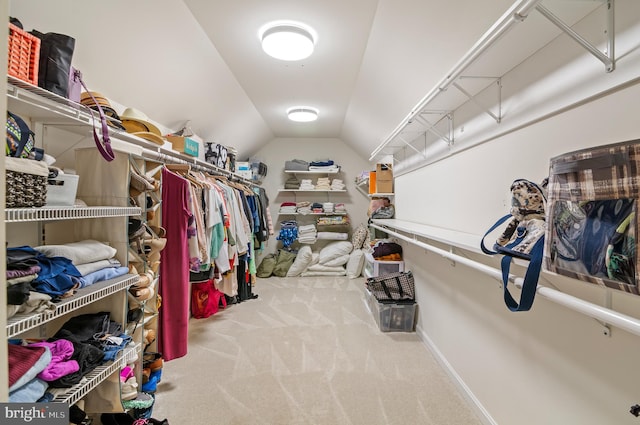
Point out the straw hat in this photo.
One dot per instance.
(86, 100)
(137, 122)
(151, 137)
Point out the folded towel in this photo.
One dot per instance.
(83, 252)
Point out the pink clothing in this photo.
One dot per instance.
(174, 268)
(60, 365)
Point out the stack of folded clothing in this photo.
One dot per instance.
(305, 184)
(340, 208)
(387, 251)
(326, 166)
(316, 208)
(303, 207)
(56, 271)
(296, 165)
(288, 208)
(337, 184)
(332, 236)
(307, 234)
(292, 183)
(327, 207)
(323, 184)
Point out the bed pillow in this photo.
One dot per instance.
(340, 261)
(360, 235)
(355, 264)
(302, 261)
(334, 250)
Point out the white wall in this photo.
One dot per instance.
(276, 152)
(549, 365)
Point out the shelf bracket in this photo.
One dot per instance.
(608, 57)
(408, 144)
(472, 98)
(431, 127)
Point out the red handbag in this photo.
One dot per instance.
(206, 299)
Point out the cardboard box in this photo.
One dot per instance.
(384, 172)
(384, 178)
(185, 145)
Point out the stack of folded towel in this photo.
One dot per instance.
(303, 207)
(307, 234)
(327, 207)
(292, 183)
(288, 208)
(306, 184)
(340, 208)
(337, 184)
(323, 184)
(316, 208)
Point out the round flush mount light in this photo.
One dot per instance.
(302, 114)
(288, 41)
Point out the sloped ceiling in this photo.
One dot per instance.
(200, 60)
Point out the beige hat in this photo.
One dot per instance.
(137, 122)
(152, 137)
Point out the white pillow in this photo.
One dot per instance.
(334, 250)
(355, 264)
(302, 261)
(340, 261)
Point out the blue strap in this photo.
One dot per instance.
(498, 223)
(530, 283)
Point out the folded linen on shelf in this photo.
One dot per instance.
(296, 165)
(306, 229)
(333, 236)
(321, 163)
(306, 184)
(82, 252)
(325, 168)
(337, 184)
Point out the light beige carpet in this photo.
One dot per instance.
(307, 351)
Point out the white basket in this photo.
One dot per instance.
(61, 191)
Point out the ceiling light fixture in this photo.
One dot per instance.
(288, 41)
(302, 114)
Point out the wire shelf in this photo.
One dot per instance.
(21, 323)
(15, 215)
(95, 377)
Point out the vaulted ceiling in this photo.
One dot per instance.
(200, 60)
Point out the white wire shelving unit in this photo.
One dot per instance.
(474, 74)
(21, 323)
(412, 233)
(50, 109)
(16, 215)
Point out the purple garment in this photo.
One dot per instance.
(13, 273)
(60, 365)
(173, 324)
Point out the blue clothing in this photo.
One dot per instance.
(57, 274)
(103, 274)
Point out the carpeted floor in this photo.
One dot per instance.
(307, 351)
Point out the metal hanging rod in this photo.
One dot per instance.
(605, 315)
(518, 12)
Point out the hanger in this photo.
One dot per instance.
(178, 168)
